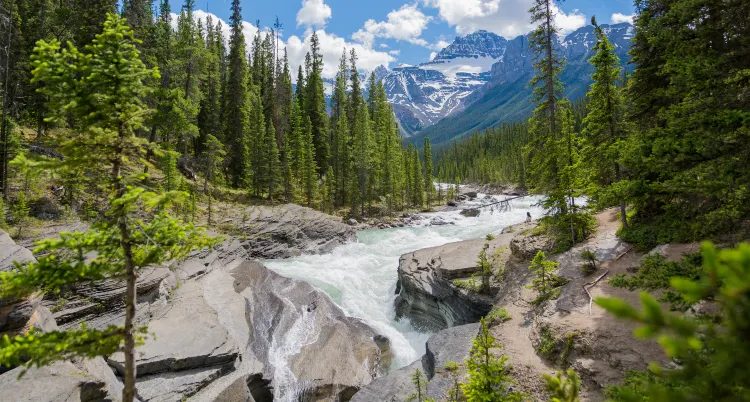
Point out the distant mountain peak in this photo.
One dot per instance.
(476, 44)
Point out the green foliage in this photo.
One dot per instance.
(555, 349)
(547, 343)
(499, 314)
(20, 212)
(489, 378)
(655, 273)
(169, 169)
(546, 282)
(451, 366)
(468, 284)
(563, 387)
(589, 262)
(713, 355)
(37, 349)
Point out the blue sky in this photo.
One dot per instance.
(398, 31)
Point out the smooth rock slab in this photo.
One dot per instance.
(60, 382)
(186, 335)
(290, 230)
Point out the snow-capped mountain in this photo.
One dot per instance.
(421, 95)
(461, 73)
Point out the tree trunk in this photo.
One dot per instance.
(623, 211)
(128, 392)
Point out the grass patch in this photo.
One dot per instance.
(498, 314)
(467, 284)
(555, 349)
(451, 366)
(655, 273)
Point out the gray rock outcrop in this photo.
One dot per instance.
(426, 290)
(290, 230)
(314, 351)
(221, 327)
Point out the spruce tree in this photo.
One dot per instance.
(236, 117)
(604, 126)
(429, 185)
(362, 157)
(545, 130)
(316, 107)
(489, 376)
(102, 89)
(212, 160)
(308, 169)
(417, 180)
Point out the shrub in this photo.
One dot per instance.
(468, 284)
(589, 262)
(563, 388)
(489, 377)
(451, 366)
(713, 355)
(546, 282)
(656, 272)
(498, 314)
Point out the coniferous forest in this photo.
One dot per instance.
(278, 140)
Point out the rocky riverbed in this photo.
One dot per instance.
(222, 327)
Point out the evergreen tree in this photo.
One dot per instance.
(417, 180)
(236, 115)
(212, 160)
(102, 89)
(545, 130)
(429, 185)
(308, 169)
(489, 377)
(604, 127)
(362, 157)
(315, 105)
(545, 279)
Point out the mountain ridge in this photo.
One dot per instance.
(480, 80)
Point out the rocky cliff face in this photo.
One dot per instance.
(426, 290)
(222, 327)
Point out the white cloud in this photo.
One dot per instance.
(618, 18)
(440, 45)
(508, 18)
(314, 13)
(404, 24)
(384, 46)
(432, 55)
(394, 52)
(331, 47)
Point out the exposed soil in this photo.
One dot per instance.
(602, 348)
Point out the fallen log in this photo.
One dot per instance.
(589, 285)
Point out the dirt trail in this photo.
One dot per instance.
(604, 347)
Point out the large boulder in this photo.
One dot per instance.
(290, 230)
(314, 352)
(448, 345)
(15, 312)
(426, 290)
